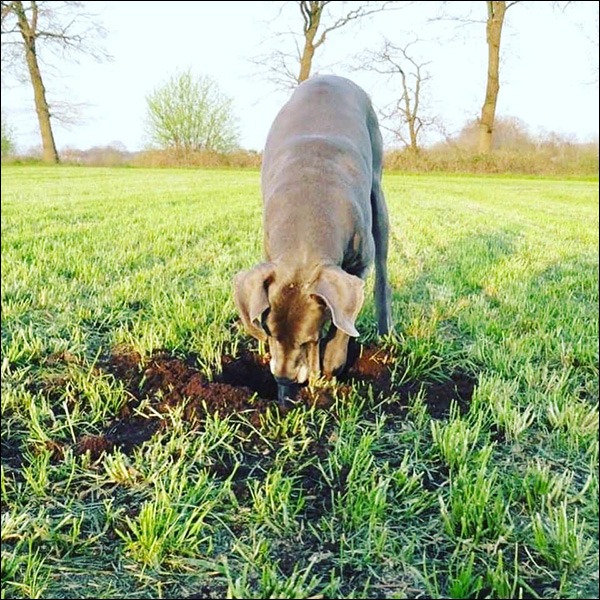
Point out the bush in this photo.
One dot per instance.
(241, 159)
(563, 159)
(189, 114)
(8, 142)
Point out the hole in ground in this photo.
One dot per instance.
(246, 385)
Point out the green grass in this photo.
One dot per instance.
(496, 277)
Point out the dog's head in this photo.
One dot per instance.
(292, 315)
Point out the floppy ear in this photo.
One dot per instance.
(250, 296)
(344, 294)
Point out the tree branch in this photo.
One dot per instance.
(353, 15)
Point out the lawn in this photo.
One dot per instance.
(143, 455)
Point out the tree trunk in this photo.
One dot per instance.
(49, 153)
(311, 11)
(306, 61)
(496, 12)
(410, 114)
(412, 131)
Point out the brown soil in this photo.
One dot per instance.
(246, 386)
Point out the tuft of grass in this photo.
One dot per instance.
(560, 538)
(476, 508)
(457, 439)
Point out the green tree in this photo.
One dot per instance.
(190, 113)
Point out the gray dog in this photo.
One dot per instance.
(325, 223)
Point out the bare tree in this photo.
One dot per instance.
(404, 118)
(64, 27)
(493, 33)
(319, 19)
(496, 11)
(494, 24)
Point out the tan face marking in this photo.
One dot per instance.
(293, 325)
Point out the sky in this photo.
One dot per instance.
(548, 71)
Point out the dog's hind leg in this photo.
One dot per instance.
(381, 228)
(383, 294)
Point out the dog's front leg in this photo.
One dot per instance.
(313, 360)
(335, 353)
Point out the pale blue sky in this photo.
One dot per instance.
(547, 77)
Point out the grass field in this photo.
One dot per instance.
(465, 467)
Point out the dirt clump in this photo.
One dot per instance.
(245, 386)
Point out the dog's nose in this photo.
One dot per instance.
(286, 391)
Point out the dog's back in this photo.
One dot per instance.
(318, 170)
(326, 107)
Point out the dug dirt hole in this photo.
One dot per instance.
(246, 386)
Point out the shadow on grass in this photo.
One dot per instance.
(462, 266)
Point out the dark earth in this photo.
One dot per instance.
(246, 386)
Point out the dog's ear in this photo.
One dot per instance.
(250, 296)
(344, 294)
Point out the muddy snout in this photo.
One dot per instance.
(287, 391)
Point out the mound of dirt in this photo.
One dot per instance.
(246, 386)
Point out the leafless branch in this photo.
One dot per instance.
(353, 15)
(276, 68)
(403, 117)
(287, 69)
(68, 113)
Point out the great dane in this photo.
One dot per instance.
(325, 223)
